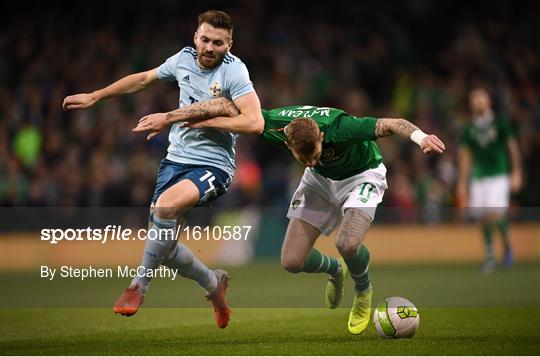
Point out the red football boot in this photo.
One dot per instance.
(129, 302)
(222, 311)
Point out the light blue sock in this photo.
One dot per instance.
(187, 265)
(164, 232)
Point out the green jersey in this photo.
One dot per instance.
(489, 147)
(348, 144)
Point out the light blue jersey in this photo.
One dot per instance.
(230, 79)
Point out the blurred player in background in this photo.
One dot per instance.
(200, 163)
(343, 183)
(489, 169)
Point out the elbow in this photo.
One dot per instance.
(254, 124)
(258, 126)
(144, 82)
(230, 109)
(145, 79)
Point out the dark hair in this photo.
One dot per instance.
(216, 18)
(302, 136)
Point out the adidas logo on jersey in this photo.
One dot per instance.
(185, 78)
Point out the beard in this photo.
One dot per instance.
(210, 60)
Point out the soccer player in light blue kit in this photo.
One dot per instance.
(200, 162)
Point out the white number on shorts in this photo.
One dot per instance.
(208, 176)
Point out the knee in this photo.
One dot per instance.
(166, 212)
(347, 248)
(291, 264)
(166, 208)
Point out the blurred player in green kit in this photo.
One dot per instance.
(342, 185)
(489, 169)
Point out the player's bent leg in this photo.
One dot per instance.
(215, 282)
(298, 254)
(299, 240)
(176, 200)
(161, 238)
(349, 240)
(171, 204)
(351, 234)
(163, 233)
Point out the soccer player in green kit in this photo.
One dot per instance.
(489, 158)
(343, 183)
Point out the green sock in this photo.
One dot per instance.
(317, 262)
(359, 268)
(488, 232)
(503, 227)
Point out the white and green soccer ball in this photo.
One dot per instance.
(396, 317)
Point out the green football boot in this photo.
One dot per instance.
(360, 312)
(335, 288)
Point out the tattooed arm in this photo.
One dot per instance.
(154, 123)
(406, 129)
(388, 126)
(248, 121)
(203, 110)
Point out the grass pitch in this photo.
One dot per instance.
(274, 313)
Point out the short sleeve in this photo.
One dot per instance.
(355, 128)
(167, 70)
(238, 80)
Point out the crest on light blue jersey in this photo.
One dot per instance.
(215, 89)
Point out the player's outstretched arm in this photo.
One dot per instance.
(248, 121)
(195, 112)
(204, 110)
(129, 84)
(406, 129)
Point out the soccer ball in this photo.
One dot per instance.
(396, 317)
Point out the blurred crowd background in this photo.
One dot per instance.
(414, 59)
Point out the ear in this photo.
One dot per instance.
(195, 37)
(321, 135)
(230, 45)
